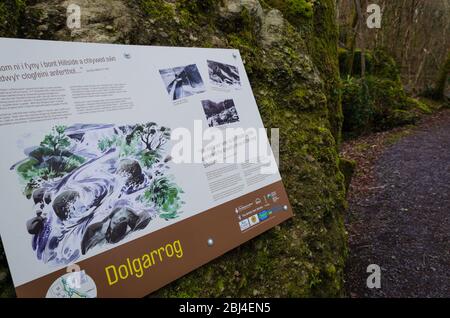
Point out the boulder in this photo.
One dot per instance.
(121, 220)
(38, 195)
(272, 28)
(35, 225)
(101, 20)
(64, 202)
(232, 8)
(114, 228)
(3, 276)
(297, 67)
(94, 235)
(131, 169)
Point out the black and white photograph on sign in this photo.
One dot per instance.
(182, 81)
(220, 112)
(224, 75)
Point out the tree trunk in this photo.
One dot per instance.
(442, 79)
(361, 38)
(352, 44)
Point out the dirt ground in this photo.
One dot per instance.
(399, 211)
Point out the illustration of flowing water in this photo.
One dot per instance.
(94, 185)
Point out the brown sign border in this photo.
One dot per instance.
(221, 224)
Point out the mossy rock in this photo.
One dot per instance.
(399, 117)
(378, 63)
(419, 105)
(442, 87)
(306, 254)
(377, 104)
(295, 79)
(6, 285)
(295, 11)
(11, 13)
(347, 168)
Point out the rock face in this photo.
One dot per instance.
(38, 196)
(272, 28)
(63, 203)
(234, 7)
(102, 21)
(293, 67)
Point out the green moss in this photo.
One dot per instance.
(378, 63)
(296, 85)
(419, 105)
(377, 104)
(299, 8)
(396, 136)
(443, 80)
(400, 117)
(307, 253)
(295, 11)
(11, 12)
(347, 168)
(158, 9)
(433, 104)
(322, 41)
(303, 98)
(6, 285)
(384, 66)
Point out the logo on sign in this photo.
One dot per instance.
(264, 215)
(253, 220)
(244, 224)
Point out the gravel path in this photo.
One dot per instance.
(403, 225)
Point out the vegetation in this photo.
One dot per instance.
(415, 33)
(348, 168)
(166, 195)
(443, 81)
(56, 141)
(377, 102)
(51, 160)
(378, 63)
(151, 135)
(163, 192)
(11, 13)
(294, 9)
(6, 285)
(294, 73)
(293, 65)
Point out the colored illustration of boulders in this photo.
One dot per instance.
(114, 228)
(131, 170)
(35, 225)
(64, 202)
